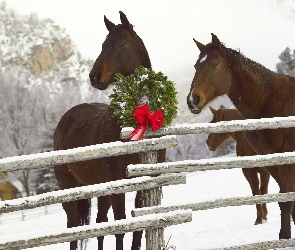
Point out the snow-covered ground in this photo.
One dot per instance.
(209, 229)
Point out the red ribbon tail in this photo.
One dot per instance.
(138, 132)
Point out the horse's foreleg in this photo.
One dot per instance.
(136, 242)
(118, 204)
(253, 180)
(264, 180)
(71, 209)
(286, 209)
(67, 180)
(293, 212)
(103, 206)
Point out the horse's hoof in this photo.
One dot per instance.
(260, 221)
(284, 235)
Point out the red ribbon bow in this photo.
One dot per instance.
(144, 117)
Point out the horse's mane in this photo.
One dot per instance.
(234, 57)
(230, 114)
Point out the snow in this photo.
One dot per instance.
(214, 228)
(211, 228)
(99, 149)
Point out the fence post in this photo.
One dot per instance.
(23, 215)
(152, 197)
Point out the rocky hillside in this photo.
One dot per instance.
(42, 48)
(42, 75)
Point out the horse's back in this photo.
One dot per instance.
(90, 124)
(84, 125)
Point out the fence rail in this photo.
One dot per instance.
(85, 192)
(211, 164)
(25, 162)
(8, 218)
(152, 220)
(220, 127)
(218, 203)
(266, 245)
(102, 229)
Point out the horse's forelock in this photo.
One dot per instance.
(139, 43)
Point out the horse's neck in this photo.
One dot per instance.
(144, 56)
(236, 135)
(233, 114)
(251, 85)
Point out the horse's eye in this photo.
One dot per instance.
(213, 65)
(121, 44)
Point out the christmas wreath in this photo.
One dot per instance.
(144, 93)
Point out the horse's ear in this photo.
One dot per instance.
(213, 111)
(109, 24)
(200, 45)
(124, 20)
(216, 43)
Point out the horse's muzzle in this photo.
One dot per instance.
(192, 104)
(95, 81)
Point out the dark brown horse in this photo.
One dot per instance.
(87, 124)
(258, 185)
(256, 92)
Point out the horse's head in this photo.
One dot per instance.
(212, 77)
(122, 52)
(214, 140)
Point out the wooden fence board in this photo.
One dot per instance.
(220, 127)
(266, 245)
(101, 229)
(85, 192)
(211, 164)
(218, 203)
(25, 162)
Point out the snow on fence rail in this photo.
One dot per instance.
(146, 148)
(101, 229)
(148, 145)
(211, 164)
(85, 192)
(220, 127)
(266, 245)
(224, 163)
(25, 162)
(218, 203)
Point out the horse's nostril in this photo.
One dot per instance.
(91, 77)
(94, 77)
(196, 100)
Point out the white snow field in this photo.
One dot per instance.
(214, 228)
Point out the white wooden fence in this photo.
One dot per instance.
(121, 186)
(162, 216)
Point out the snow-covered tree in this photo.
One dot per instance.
(20, 108)
(287, 64)
(42, 75)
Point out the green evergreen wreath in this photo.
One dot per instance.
(128, 89)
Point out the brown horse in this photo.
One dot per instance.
(87, 124)
(256, 92)
(243, 148)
